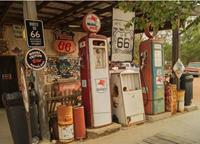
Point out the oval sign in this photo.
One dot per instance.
(91, 23)
(36, 59)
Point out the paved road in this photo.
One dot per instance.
(185, 125)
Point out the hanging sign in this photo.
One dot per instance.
(91, 23)
(178, 68)
(122, 37)
(36, 59)
(34, 33)
(64, 42)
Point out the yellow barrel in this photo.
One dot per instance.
(180, 100)
(65, 115)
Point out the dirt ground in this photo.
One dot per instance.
(196, 90)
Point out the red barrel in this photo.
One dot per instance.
(79, 122)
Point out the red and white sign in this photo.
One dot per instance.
(100, 85)
(91, 23)
(64, 42)
(64, 46)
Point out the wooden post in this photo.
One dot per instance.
(30, 12)
(1, 32)
(175, 52)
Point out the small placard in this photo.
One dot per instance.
(178, 68)
(101, 85)
(36, 59)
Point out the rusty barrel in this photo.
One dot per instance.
(168, 101)
(180, 100)
(79, 122)
(65, 123)
(65, 115)
(173, 93)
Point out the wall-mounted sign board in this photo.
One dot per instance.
(36, 59)
(34, 33)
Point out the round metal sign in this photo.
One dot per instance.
(36, 59)
(91, 23)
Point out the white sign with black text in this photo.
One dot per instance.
(34, 33)
(122, 36)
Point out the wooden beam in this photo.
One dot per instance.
(46, 13)
(109, 8)
(4, 12)
(30, 12)
(98, 12)
(43, 4)
(54, 8)
(65, 13)
(66, 2)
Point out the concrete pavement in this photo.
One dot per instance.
(186, 125)
(5, 135)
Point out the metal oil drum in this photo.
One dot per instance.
(66, 133)
(65, 123)
(65, 115)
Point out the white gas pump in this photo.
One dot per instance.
(127, 99)
(94, 74)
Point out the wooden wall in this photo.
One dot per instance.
(49, 39)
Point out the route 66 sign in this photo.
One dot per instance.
(122, 37)
(123, 42)
(34, 33)
(64, 43)
(65, 46)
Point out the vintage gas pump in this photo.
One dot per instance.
(152, 73)
(94, 74)
(127, 100)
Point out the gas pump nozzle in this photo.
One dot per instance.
(143, 57)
